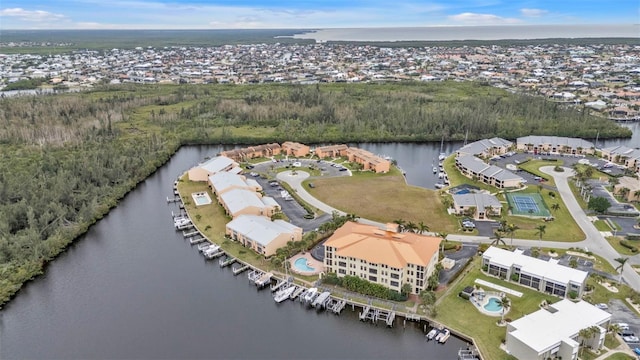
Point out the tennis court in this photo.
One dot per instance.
(529, 204)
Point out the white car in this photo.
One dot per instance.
(622, 326)
(602, 306)
(631, 339)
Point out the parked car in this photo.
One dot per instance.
(602, 306)
(631, 339)
(342, 169)
(622, 327)
(311, 185)
(637, 351)
(250, 166)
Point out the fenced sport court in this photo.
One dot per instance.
(529, 204)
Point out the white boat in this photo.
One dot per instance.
(178, 222)
(203, 247)
(441, 175)
(282, 295)
(431, 334)
(442, 156)
(212, 249)
(443, 336)
(435, 170)
(439, 185)
(311, 295)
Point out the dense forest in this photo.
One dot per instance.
(68, 158)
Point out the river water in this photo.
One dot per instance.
(133, 288)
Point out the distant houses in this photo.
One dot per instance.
(632, 186)
(555, 144)
(545, 276)
(251, 152)
(554, 332)
(331, 151)
(382, 256)
(295, 149)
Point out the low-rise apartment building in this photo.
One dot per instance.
(554, 332)
(261, 234)
(482, 205)
(486, 147)
(251, 152)
(210, 167)
(332, 151)
(295, 149)
(368, 160)
(238, 202)
(555, 144)
(225, 181)
(382, 256)
(474, 168)
(623, 155)
(545, 276)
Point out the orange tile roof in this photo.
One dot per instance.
(379, 246)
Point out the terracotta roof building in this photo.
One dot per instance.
(382, 256)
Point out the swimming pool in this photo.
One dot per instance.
(201, 198)
(493, 305)
(301, 265)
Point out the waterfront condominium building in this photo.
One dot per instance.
(555, 144)
(210, 167)
(368, 160)
(261, 234)
(545, 276)
(554, 332)
(331, 151)
(382, 256)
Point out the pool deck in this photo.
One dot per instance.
(317, 265)
(479, 304)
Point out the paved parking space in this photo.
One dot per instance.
(616, 207)
(626, 223)
(620, 313)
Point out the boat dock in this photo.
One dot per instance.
(173, 199)
(322, 300)
(468, 354)
(278, 285)
(224, 262)
(263, 280)
(196, 240)
(239, 269)
(190, 234)
(210, 255)
(339, 306)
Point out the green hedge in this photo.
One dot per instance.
(629, 246)
(362, 286)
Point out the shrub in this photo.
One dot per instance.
(633, 236)
(629, 246)
(573, 294)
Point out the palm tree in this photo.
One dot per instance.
(623, 192)
(622, 261)
(511, 229)
(504, 302)
(422, 227)
(540, 230)
(411, 227)
(497, 238)
(443, 236)
(586, 334)
(401, 223)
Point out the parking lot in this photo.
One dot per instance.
(620, 313)
(294, 211)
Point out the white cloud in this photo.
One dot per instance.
(31, 15)
(533, 12)
(469, 18)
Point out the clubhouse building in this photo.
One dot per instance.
(382, 256)
(544, 276)
(553, 332)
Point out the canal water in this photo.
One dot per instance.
(133, 288)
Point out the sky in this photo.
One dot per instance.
(308, 14)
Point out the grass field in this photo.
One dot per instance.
(385, 198)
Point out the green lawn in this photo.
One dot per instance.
(385, 198)
(614, 241)
(601, 225)
(611, 341)
(461, 315)
(619, 356)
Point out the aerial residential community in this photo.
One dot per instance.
(231, 183)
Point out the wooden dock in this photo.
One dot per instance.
(211, 256)
(263, 280)
(224, 262)
(190, 234)
(239, 269)
(278, 285)
(173, 199)
(196, 240)
(339, 306)
(254, 275)
(185, 226)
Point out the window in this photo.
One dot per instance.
(373, 271)
(342, 271)
(395, 276)
(394, 283)
(373, 278)
(342, 263)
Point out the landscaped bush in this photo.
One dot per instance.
(573, 294)
(633, 236)
(362, 286)
(629, 246)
